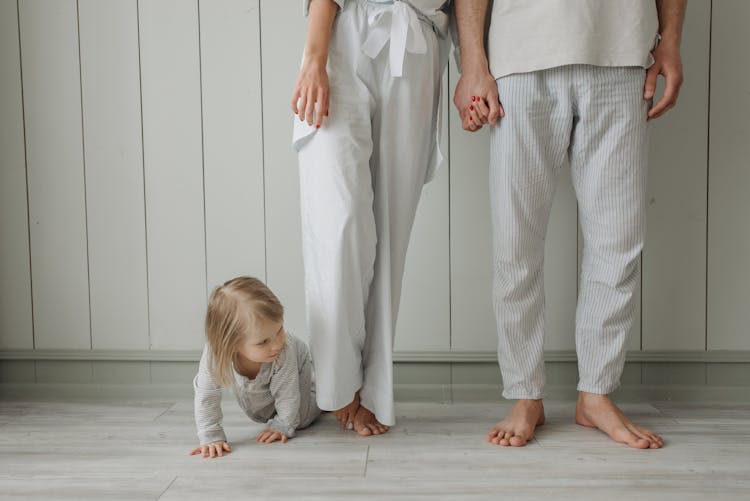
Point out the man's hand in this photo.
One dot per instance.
(667, 62)
(269, 436)
(213, 449)
(477, 101)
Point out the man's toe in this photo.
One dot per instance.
(517, 441)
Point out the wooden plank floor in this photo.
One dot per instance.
(138, 450)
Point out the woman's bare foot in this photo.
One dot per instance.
(365, 423)
(598, 411)
(346, 414)
(518, 428)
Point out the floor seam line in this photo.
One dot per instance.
(165, 411)
(165, 490)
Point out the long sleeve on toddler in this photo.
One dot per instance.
(208, 416)
(286, 393)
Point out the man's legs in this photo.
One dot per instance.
(608, 155)
(527, 150)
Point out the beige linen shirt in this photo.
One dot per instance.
(532, 35)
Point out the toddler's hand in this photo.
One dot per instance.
(268, 436)
(212, 450)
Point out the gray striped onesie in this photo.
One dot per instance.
(281, 395)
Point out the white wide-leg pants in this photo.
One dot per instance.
(361, 176)
(597, 117)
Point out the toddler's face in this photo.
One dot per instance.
(265, 342)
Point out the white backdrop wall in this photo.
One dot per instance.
(146, 158)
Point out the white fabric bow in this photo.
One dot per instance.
(401, 25)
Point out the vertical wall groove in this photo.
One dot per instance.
(203, 138)
(143, 169)
(83, 157)
(202, 148)
(263, 146)
(708, 160)
(26, 170)
(203, 142)
(450, 251)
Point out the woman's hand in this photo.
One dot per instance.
(269, 436)
(213, 449)
(477, 100)
(310, 98)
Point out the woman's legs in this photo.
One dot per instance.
(403, 139)
(361, 176)
(338, 243)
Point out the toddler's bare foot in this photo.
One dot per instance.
(598, 411)
(365, 423)
(518, 428)
(346, 414)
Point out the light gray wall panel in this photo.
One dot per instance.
(729, 179)
(674, 258)
(16, 329)
(56, 183)
(281, 62)
(170, 79)
(114, 173)
(232, 139)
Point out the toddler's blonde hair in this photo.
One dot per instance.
(232, 312)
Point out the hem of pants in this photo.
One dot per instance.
(598, 389)
(334, 403)
(369, 403)
(523, 396)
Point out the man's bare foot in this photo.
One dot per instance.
(598, 411)
(346, 414)
(365, 423)
(518, 428)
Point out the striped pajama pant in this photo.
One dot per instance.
(596, 116)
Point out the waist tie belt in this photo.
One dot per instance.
(401, 24)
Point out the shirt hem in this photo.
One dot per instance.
(540, 65)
